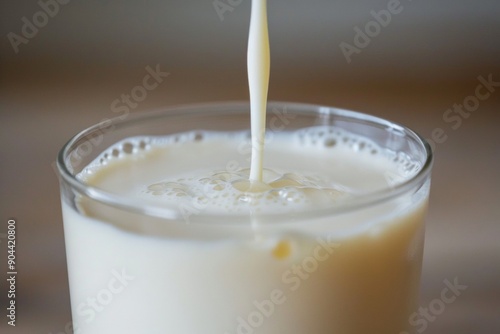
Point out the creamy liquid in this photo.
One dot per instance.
(258, 81)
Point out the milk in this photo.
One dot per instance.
(355, 272)
(258, 62)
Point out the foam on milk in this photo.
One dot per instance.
(231, 192)
(219, 191)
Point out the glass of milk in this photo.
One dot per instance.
(166, 234)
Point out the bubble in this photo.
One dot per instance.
(164, 188)
(290, 194)
(198, 136)
(359, 146)
(218, 185)
(157, 187)
(245, 185)
(284, 182)
(204, 180)
(202, 200)
(330, 142)
(128, 148)
(244, 198)
(224, 176)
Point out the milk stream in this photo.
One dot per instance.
(258, 62)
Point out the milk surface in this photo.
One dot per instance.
(355, 272)
(309, 169)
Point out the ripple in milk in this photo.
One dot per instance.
(307, 169)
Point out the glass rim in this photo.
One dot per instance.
(238, 107)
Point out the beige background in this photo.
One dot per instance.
(427, 59)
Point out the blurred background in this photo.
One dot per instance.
(63, 64)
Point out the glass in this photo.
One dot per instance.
(355, 266)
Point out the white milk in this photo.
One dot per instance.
(258, 61)
(350, 273)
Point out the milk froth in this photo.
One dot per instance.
(309, 169)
